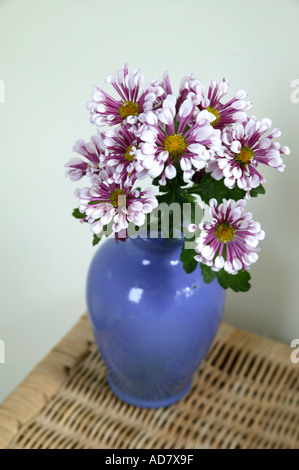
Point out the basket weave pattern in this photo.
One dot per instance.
(245, 395)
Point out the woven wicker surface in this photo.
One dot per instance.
(245, 395)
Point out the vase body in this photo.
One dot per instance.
(152, 322)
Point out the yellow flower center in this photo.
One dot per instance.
(128, 108)
(114, 197)
(225, 233)
(245, 155)
(216, 114)
(128, 156)
(175, 145)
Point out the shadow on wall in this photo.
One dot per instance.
(262, 310)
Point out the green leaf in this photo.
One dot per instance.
(256, 191)
(77, 214)
(187, 258)
(237, 282)
(156, 180)
(96, 240)
(189, 198)
(210, 188)
(207, 273)
(167, 197)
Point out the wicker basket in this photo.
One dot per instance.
(245, 395)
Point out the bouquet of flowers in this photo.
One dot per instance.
(197, 149)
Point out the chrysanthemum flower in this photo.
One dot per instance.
(165, 84)
(107, 200)
(122, 150)
(230, 240)
(170, 139)
(107, 110)
(93, 151)
(223, 114)
(191, 88)
(245, 146)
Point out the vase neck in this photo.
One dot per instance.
(156, 241)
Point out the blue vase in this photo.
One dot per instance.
(152, 322)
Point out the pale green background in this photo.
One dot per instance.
(51, 53)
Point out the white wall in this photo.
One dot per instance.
(51, 53)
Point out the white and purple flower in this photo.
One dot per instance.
(93, 152)
(244, 148)
(230, 240)
(107, 201)
(176, 140)
(171, 141)
(222, 114)
(105, 109)
(122, 149)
